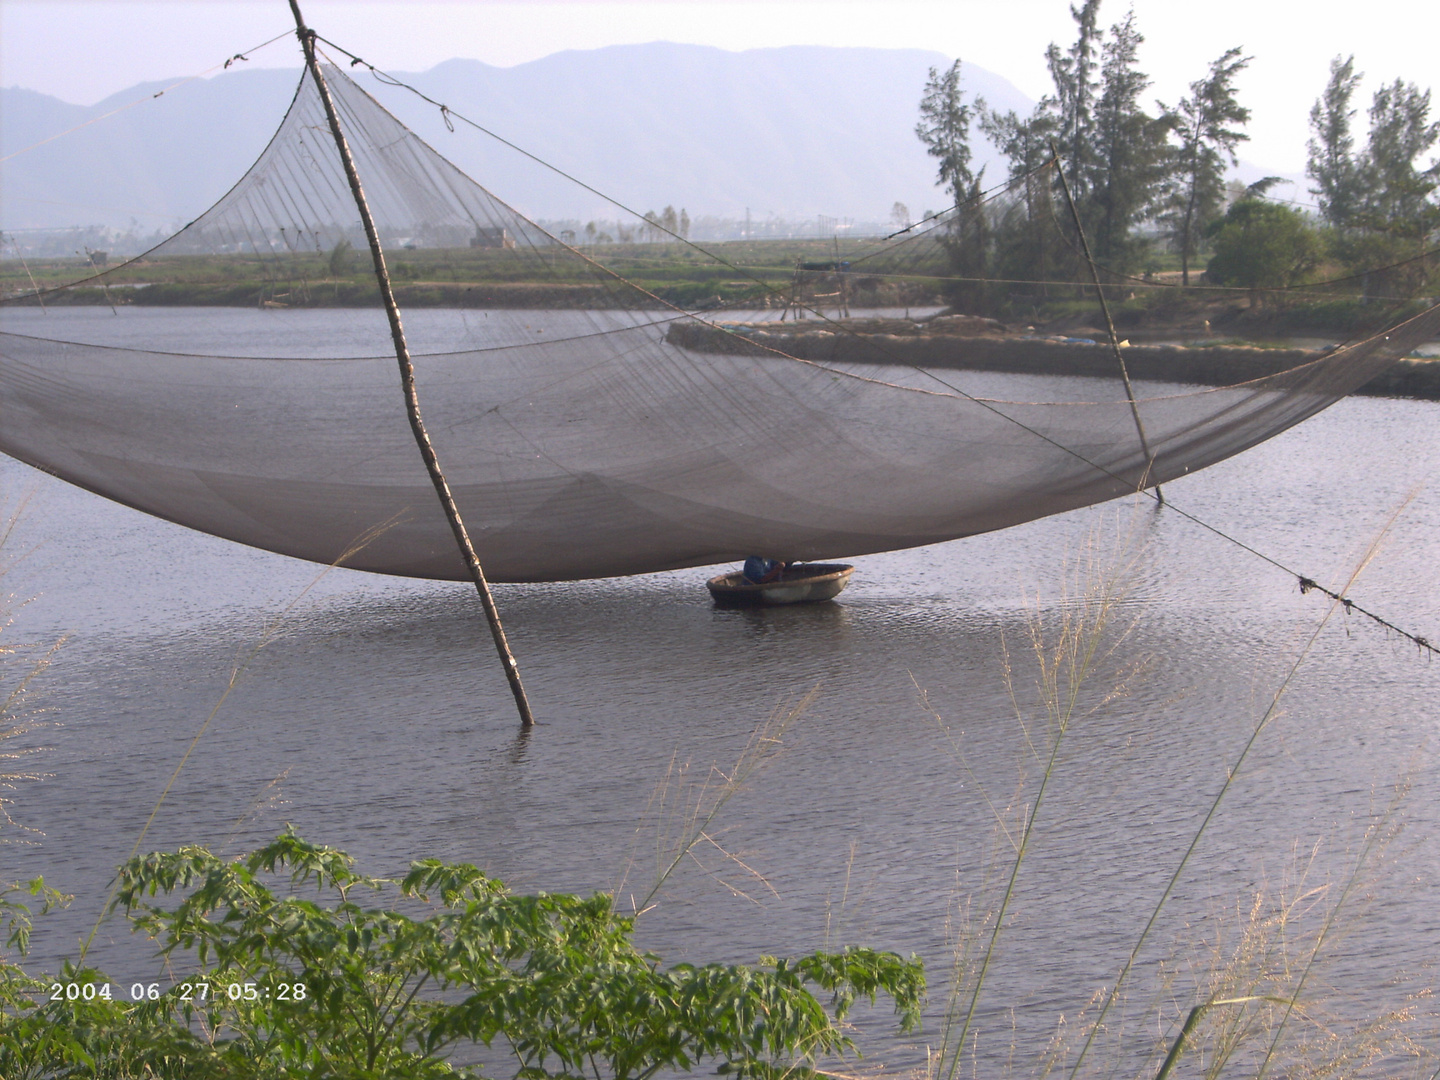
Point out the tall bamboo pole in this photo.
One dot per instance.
(407, 378)
(1109, 326)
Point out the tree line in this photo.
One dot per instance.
(1148, 186)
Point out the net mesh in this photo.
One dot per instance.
(581, 435)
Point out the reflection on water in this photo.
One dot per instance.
(377, 721)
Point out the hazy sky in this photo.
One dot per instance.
(85, 51)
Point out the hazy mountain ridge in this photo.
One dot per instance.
(794, 131)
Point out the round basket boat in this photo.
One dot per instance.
(799, 584)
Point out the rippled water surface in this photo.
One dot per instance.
(376, 720)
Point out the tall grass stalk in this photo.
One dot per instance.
(13, 723)
(269, 632)
(835, 915)
(1377, 835)
(1255, 971)
(1067, 658)
(1271, 711)
(1255, 987)
(14, 726)
(683, 813)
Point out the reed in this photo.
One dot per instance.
(21, 666)
(1254, 976)
(682, 816)
(1072, 649)
(1253, 998)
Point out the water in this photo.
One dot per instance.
(376, 720)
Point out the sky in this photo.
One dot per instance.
(82, 52)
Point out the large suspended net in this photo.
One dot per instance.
(587, 428)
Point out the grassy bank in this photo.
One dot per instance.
(755, 273)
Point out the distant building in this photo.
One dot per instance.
(492, 237)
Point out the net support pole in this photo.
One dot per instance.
(407, 378)
(1109, 326)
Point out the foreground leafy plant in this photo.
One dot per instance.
(292, 986)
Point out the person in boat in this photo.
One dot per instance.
(759, 570)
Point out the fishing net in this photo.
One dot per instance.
(586, 430)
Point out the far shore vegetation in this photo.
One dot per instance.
(1176, 242)
(1167, 231)
(763, 274)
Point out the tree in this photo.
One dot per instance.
(339, 260)
(1208, 122)
(684, 223)
(1330, 160)
(1262, 245)
(1073, 74)
(1380, 202)
(1398, 191)
(1113, 153)
(311, 980)
(944, 128)
(1131, 150)
(1026, 234)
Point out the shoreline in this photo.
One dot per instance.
(943, 342)
(981, 345)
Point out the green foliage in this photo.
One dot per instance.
(15, 915)
(944, 128)
(1331, 161)
(1398, 191)
(339, 261)
(1209, 125)
(1380, 203)
(1262, 245)
(1072, 107)
(1026, 242)
(1128, 169)
(1131, 153)
(392, 989)
(1122, 165)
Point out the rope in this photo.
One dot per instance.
(1307, 583)
(134, 259)
(147, 97)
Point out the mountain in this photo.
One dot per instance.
(157, 164)
(792, 132)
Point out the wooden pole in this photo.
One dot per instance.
(407, 378)
(1109, 326)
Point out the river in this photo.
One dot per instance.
(375, 719)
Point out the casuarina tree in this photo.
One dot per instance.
(1399, 189)
(1331, 162)
(1130, 151)
(944, 128)
(1209, 125)
(1076, 88)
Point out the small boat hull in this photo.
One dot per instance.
(801, 584)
